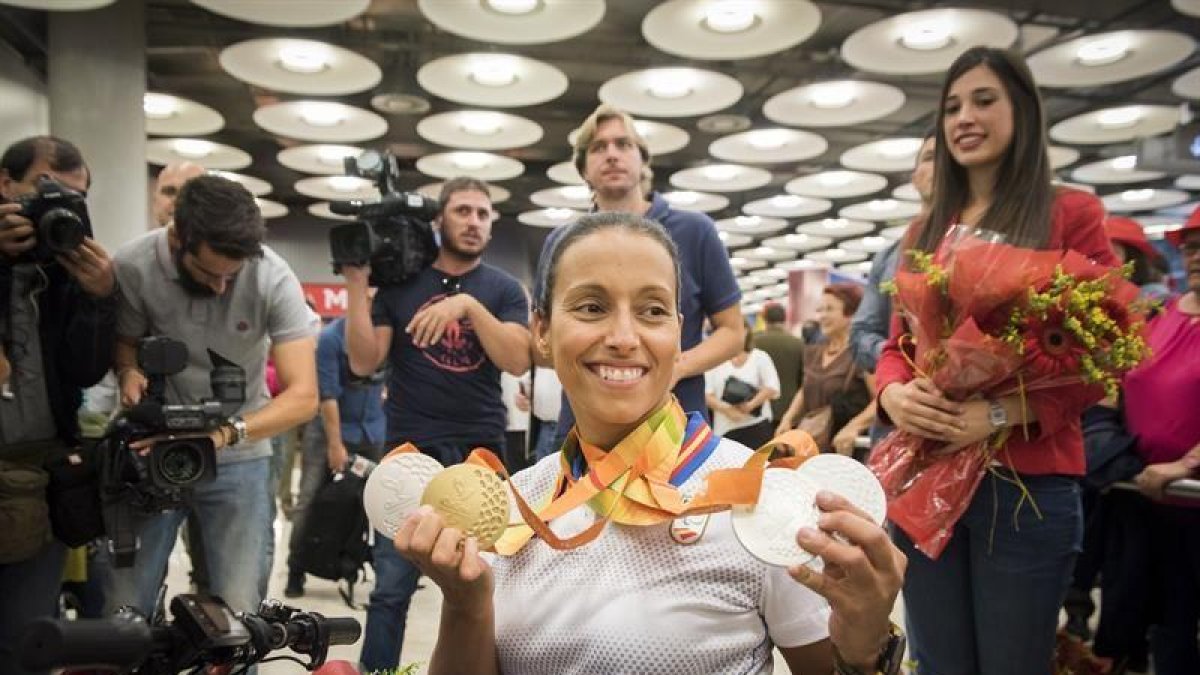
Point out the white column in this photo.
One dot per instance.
(97, 75)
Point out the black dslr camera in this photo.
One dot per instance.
(394, 234)
(132, 485)
(60, 219)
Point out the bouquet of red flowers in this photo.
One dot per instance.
(987, 320)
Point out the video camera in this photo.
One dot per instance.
(60, 219)
(133, 485)
(203, 632)
(394, 234)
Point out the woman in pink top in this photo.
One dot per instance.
(1160, 401)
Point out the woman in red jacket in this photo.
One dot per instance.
(989, 604)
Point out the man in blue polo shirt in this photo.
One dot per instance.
(349, 422)
(614, 159)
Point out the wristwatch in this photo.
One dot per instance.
(997, 415)
(239, 429)
(891, 657)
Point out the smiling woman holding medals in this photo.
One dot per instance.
(618, 582)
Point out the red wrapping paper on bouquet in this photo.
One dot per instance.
(957, 309)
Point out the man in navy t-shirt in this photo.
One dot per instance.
(446, 334)
(614, 159)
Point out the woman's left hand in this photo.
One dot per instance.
(861, 578)
(976, 427)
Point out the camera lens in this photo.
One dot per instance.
(61, 229)
(181, 463)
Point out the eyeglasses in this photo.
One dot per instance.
(451, 285)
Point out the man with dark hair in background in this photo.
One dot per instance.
(786, 350)
(446, 334)
(208, 281)
(167, 185)
(56, 324)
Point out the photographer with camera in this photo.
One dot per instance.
(57, 315)
(446, 332)
(208, 282)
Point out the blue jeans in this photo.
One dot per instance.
(547, 434)
(29, 590)
(234, 515)
(989, 604)
(396, 578)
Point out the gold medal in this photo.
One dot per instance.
(472, 499)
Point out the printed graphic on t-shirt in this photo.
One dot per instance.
(459, 350)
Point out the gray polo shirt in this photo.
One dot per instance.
(264, 304)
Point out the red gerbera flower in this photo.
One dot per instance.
(1051, 349)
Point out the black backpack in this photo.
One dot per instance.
(335, 541)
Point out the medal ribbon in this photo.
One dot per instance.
(636, 482)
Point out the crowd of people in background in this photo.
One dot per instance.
(459, 357)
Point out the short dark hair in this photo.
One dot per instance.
(462, 184)
(850, 295)
(774, 313)
(591, 224)
(221, 213)
(60, 154)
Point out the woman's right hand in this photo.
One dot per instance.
(447, 557)
(785, 425)
(919, 407)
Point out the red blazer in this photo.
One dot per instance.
(1055, 444)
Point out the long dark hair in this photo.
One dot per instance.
(1023, 196)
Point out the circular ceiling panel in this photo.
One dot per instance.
(721, 178)
(765, 253)
(725, 29)
(514, 22)
(1187, 85)
(1061, 156)
(492, 80)
(744, 264)
(59, 5)
(835, 256)
(300, 66)
(671, 92)
(836, 228)
(798, 242)
(319, 159)
(1145, 199)
(298, 14)
(270, 209)
(730, 239)
(1117, 170)
(320, 121)
(1107, 58)
(787, 206)
(895, 232)
(256, 186)
(690, 200)
(168, 115)
(479, 130)
(836, 184)
(879, 210)
(751, 225)
(481, 165)
(338, 188)
(205, 153)
(554, 217)
(768, 146)
(836, 103)
(925, 41)
(907, 192)
(1116, 125)
(321, 210)
(887, 155)
(577, 197)
(870, 245)
(565, 173)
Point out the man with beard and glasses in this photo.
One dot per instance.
(207, 280)
(446, 334)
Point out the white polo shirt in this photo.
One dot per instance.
(264, 304)
(635, 601)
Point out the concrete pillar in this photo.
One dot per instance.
(96, 78)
